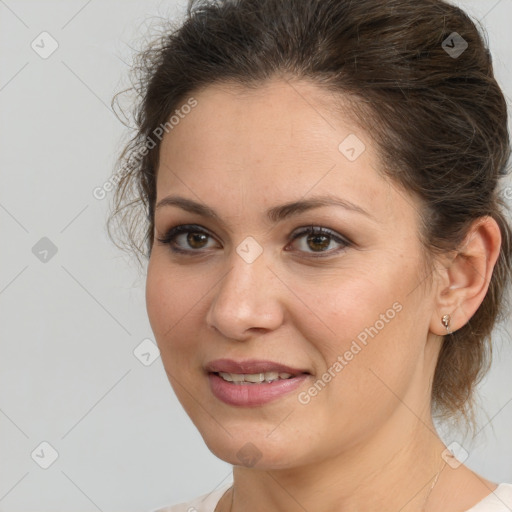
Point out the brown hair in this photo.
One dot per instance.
(439, 120)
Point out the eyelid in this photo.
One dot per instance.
(321, 230)
(313, 229)
(171, 233)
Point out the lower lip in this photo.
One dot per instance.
(253, 394)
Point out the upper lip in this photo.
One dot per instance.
(250, 366)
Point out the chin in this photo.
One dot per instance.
(253, 451)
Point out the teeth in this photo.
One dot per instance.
(254, 378)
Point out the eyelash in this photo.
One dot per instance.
(172, 233)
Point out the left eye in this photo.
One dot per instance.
(318, 239)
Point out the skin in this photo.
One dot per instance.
(366, 441)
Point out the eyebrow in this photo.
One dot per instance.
(274, 214)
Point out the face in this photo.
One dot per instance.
(344, 308)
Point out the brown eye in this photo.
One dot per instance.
(191, 239)
(197, 240)
(318, 240)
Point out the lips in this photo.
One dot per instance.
(251, 366)
(224, 378)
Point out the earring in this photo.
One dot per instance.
(445, 320)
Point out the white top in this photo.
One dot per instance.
(500, 500)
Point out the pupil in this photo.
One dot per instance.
(193, 237)
(316, 237)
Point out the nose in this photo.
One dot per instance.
(247, 300)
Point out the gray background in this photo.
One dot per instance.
(70, 324)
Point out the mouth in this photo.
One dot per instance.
(252, 371)
(253, 382)
(255, 378)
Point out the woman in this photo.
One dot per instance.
(328, 249)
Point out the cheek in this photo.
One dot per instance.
(165, 303)
(157, 298)
(361, 327)
(174, 303)
(367, 364)
(343, 308)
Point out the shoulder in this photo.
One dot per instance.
(203, 503)
(500, 500)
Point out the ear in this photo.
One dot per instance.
(464, 280)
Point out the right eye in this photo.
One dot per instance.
(195, 238)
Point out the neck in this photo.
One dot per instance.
(393, 470)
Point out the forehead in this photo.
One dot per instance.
(276, 143)
(278, 118)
